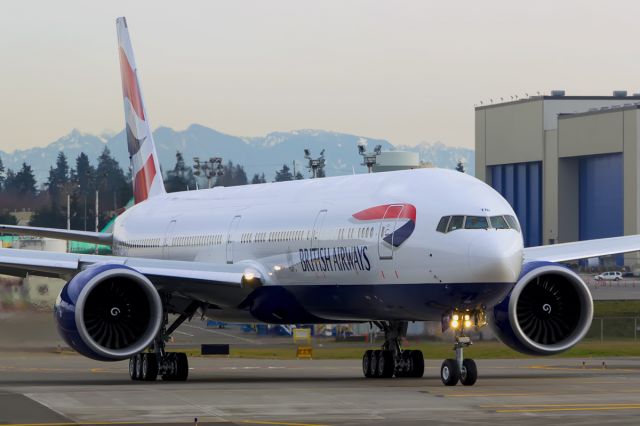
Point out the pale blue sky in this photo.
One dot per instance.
(408, 71)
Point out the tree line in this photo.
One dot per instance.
(80, 182)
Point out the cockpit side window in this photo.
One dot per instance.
(456, 222)
(442, 225)
(513, 223)
(476, 222)
(499, 222)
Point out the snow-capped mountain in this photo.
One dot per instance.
(264, 154)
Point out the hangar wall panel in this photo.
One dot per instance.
(521, 185)
(514, 133)
(481, 161)
(601, 196)
(550, 187)
(591, 134)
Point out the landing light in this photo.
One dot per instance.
(460, 321)
(249, 276)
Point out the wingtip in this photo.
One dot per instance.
(122, 20)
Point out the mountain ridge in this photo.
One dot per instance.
(259, 154)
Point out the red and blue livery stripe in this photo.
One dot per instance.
(395, 212)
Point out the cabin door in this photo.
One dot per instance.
(388, 225)
(232, 237)
(168, 239)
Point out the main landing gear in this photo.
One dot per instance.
(171, 366)
(460, 369)
(391, 360)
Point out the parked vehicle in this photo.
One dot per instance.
(609, 276)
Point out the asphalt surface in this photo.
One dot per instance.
(48, 389)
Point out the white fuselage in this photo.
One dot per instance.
(304, 233)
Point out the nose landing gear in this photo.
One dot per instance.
(391, 360)
(460, 369)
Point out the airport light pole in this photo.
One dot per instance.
(369, 159)
(209, 169)
(315, 164)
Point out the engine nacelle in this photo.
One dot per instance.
(549, 310)
(109, 312)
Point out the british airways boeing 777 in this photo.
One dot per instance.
(385, 248)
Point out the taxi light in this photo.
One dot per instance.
(467, 323)
(455, 323)
(249, 276)
(467, 317)
(456, 317)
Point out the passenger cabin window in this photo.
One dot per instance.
(476, 222)
(455, 223)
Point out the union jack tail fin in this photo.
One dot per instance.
(147, 177)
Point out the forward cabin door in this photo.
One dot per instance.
(317, 228)
(168, 239)
(232, 237)
(388, 225)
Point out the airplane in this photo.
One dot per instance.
(386, 248)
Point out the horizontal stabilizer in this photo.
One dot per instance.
(61, 234)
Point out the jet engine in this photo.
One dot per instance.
(109, 312)
(548, 311)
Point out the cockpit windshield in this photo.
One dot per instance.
(476, 222)
(452, 223)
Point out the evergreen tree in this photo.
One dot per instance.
(23, 182)
(283, 174)
(51, 216)
(8, 219)
(58, 177)
(460, 166)
(258, 179)
(239, 176)
(299, 176)
(10, 181)
(320, 173)
(83, 176)
(181, 177)
(2, 178)
(111, 182)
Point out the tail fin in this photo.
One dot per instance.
(147, 177)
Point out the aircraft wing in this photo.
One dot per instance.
(169, 275)
(61, 234)
(583, 249)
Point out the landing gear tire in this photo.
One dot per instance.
(366, 363)
(179, 370)
(469, 373)
(149, 367)
(373, 366)
(134, 367)
(449, 373)
(417, 364)
(392, 360)
(386, 365)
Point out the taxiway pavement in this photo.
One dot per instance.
(57, 389)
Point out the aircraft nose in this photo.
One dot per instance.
(496, 256)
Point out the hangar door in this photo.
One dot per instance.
(521, 185)
(601, 199)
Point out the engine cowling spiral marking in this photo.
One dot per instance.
(547, 308)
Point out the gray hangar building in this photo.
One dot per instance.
(569, 165)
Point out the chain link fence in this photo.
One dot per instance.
(614, 328)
